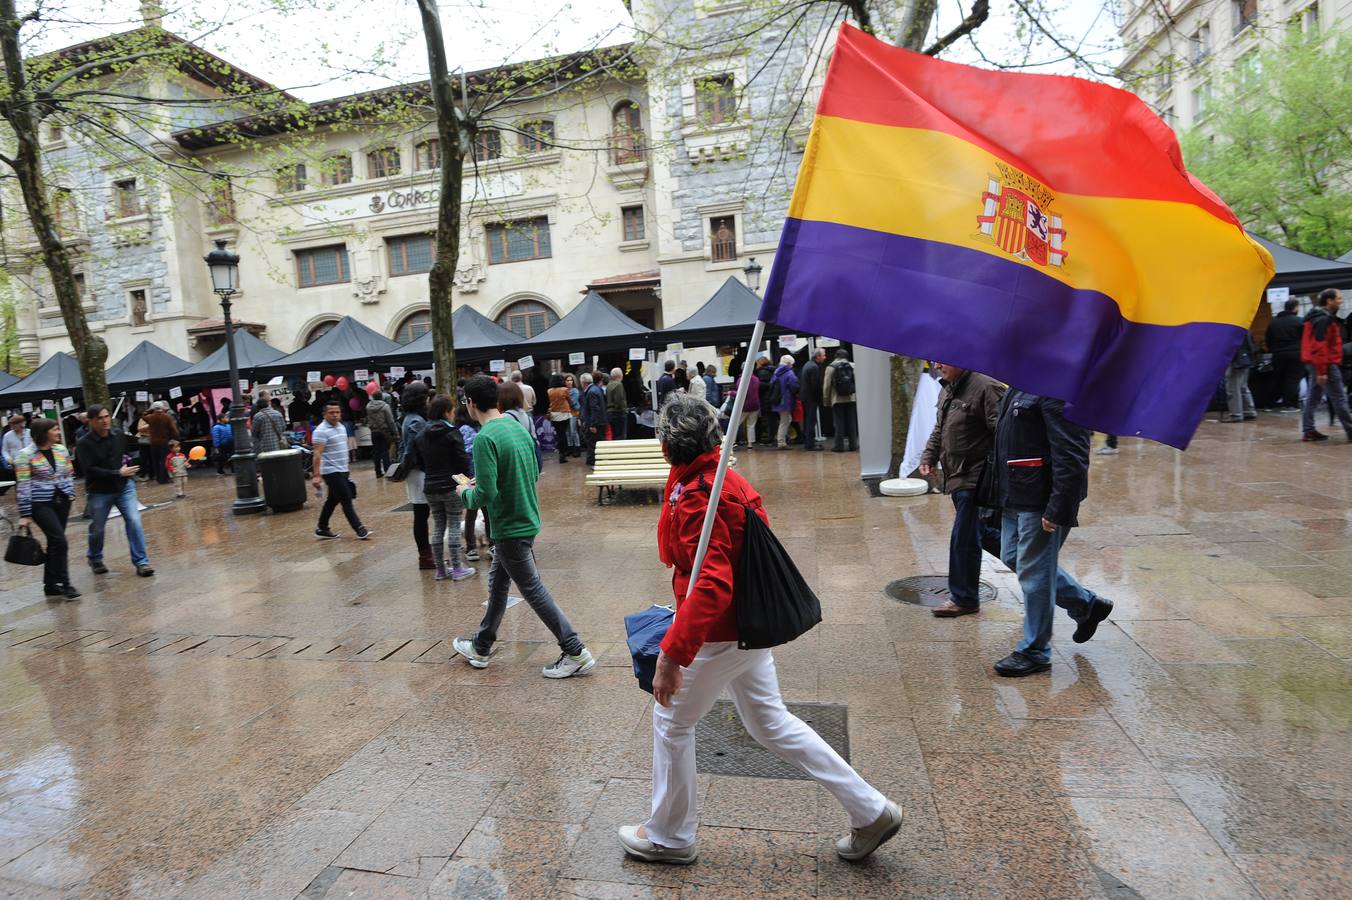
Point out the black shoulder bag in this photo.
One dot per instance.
(24, 549)
(772, 601)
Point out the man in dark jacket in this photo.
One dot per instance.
(964, 432)
(1283, 342)
(110, 482)
(666, 382)
(1321, 349)
(810, 383)
(592, 418)
(1043, 471)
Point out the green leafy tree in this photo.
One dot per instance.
(1277, 145)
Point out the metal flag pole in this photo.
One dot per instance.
(743, 384)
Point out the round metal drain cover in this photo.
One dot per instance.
(930, 590)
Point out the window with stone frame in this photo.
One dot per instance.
(1246, 14)
(126, 198)
(716, 99)
(536, 136)
(427, 155)
(64, 210)
(291, 179)
(415, 326)
(322, 265)
(527, 318)
(222, 201)
(518, 241)
(722, 238)
(632, 223)
(382, 162)
(487, 144)
(55, 133)
(1200, 44)
(80, 286)
(337, 168)
(410, 254)
(626, 133)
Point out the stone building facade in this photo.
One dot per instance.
(650, 189)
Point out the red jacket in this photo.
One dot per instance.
(1321, 344)
(708, 614)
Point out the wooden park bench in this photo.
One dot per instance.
(628, 464)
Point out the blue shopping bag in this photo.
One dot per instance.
(644, 632)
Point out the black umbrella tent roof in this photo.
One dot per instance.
(59, 375)
(146, 363)
(1303, 273)
(476, 337)
(725, 318)
(7, 380)
(215, 369)
(346, 345)
(591, 325)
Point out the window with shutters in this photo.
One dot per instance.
(410, 254)
(518, 241)
(322, 265)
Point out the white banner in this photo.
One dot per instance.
(176, 392)
(577, 359)
(67, 402)
(497, 365)
(142, 396)
(526, 362)
(637, 354)
(312, 377)
(362, 375)
(924, 413)
(396, 372)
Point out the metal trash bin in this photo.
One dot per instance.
(283, 474)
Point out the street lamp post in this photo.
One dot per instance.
(224, 267)
(753, 272)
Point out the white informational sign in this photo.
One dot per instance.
(175, 393)
(526, 362)
(497, 365)
(244, 385)
(142, 396)
(49, 404)
(362, 375)
(28, 407)
(67, 402)
(788, 340)
(312, 377)
(676, 347)
(1278, 295)
(637, 354)
(396, 372)
(827, 342)
(577, 359)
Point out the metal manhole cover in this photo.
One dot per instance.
(930, 590)
(722, 746)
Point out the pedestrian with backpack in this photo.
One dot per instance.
(838, 395)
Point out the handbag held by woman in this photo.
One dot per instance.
(772, 600)
(24, 549)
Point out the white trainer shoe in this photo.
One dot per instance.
(465, 647)
(566, 666)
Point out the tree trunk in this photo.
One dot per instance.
(450, 133)
(21, 111)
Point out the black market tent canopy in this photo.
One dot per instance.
(215, 369)
(1303, 273)
(347, 345)
(146, 365)
(725, 318)
(477, 337)
(58, 377)
(591, 325)
(1346, 258)
(7, 380)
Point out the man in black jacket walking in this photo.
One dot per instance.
(1043, 470)
(109, 482)
(810, 390)
(1283, 342)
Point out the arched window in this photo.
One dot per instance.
(626, 133)
(414, 326)
(536, 136)
(319, 331)
(527, 318)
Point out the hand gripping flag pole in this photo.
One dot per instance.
(743, 384)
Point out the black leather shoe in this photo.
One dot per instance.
(53, 590)
(98, 567)
(1101, 610)
(1017, 665)
(144, 571)
(70, 593)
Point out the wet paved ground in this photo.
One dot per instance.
(277, 717)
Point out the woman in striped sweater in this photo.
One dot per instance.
(46, 489)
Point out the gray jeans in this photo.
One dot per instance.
(514, 560)
(447, 510)
(1337, 396)
(1237, 396)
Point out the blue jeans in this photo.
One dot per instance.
(964, 551)
(99, 505)
(1031, 553)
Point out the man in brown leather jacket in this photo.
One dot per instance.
(964, 433)
(162, 430)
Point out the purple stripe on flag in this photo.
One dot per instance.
(971, 309)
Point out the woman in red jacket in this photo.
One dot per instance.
(700, 658)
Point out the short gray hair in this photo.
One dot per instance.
(617, 373)
(585, 378)
(786, 360)
(688, 428)
(516, 376)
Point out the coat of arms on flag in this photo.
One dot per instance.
(1018, 222)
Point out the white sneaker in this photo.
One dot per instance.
(1106, 451)
(640, 847)
(566, 666)
(465, 647)
(860, 842)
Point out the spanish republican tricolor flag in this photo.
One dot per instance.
(1040, 229)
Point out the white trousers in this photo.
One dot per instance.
(749, 676)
